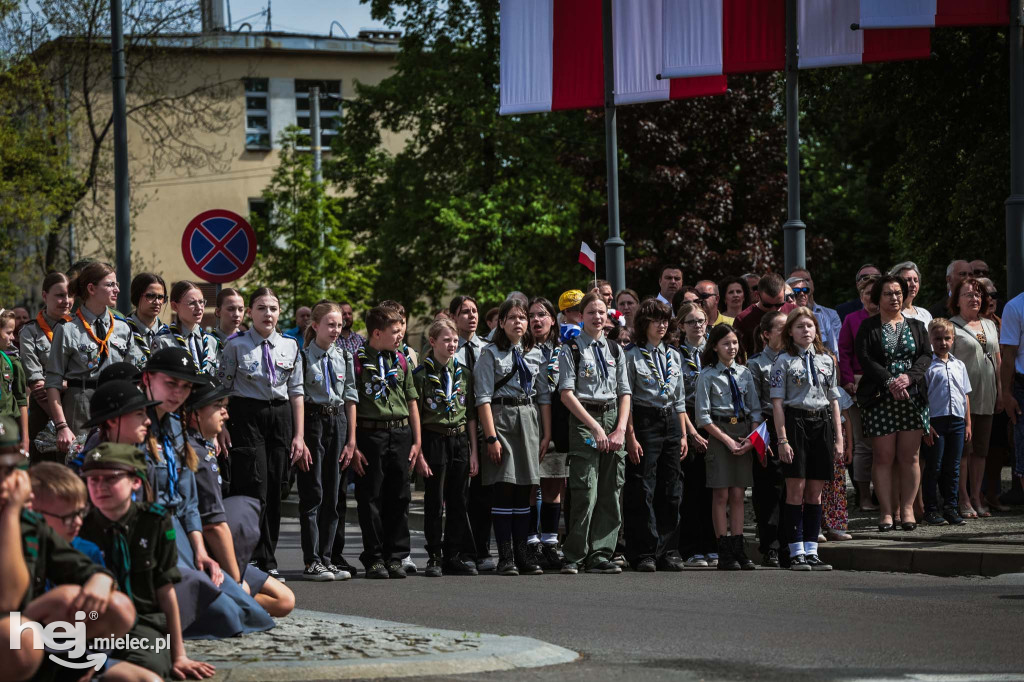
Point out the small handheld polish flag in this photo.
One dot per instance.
(587, 257)
(759, 439)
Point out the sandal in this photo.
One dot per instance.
(967, 512)
(838, 535)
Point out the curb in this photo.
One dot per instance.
(495, 653)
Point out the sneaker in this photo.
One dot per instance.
(619, 560)
(549, 556)
(770, 559)
(696, 561)
(799, 563)
(570, 568)
(395, 569)
(433, 568)
(377, 571)
(273, 573)
(670, 562)
(317, 572)
(712, 559)
(953, 518)
(646, 565)
(817, 564)
(605, 568)
(485, 564)
(342, 571)
(408, 566)
(935, 519)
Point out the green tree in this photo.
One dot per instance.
(305, 254)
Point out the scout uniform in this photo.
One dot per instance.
(696, 531)
(768, 490)
(595, 371)
(81, 348)
(467, 353)
(385, 386)
(140, 549)
(262, 374)
(201, 346)
(653, 489)
(145, 336)
(13, 393)
(728, 397)
(329, 384)
(34, 341)
(446, 405)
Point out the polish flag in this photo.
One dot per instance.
(759, 439)
(552, 56)
(826, 38)
(587, 257)
(928, 13)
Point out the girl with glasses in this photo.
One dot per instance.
(148, 295)
(188, 305)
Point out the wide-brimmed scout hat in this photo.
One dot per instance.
(175, 362)
(116, 398)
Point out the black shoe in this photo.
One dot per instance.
(485, 564)
(954, 519)
(342, 565)
(549, 557)
(395, 569)
(619, 560)
(770, 559)
(506, 559)
(433, 569)
(799, 563)
(526, 559)
(646, 565)
(457, 566)
(884, 527)
(935, 519)
(377, 571)
(816, 564)
(273, 573)
(605, 567)
(739, 551)
(1014, 497)
(726, 561)
(671, 562)
(908, 525)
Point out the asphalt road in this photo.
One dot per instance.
(703, 624)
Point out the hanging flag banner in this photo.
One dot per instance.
(826, 37)
(929, 13)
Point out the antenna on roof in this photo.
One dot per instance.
(269, 25)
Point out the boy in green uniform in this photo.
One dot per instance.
(387, 444)
(445, 387)
(137, 541)
(13, 390)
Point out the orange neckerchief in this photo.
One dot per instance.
(92, 335)
(41, 321)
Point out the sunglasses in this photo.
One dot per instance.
(861, 278)
(772, 305)
(790, 297)
(705, 297)
(753, 288)
(801, 290)
(993, 294)
(981, 272)
(67, 519)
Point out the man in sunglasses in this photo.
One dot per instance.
(707, 291)
(773, 297)
(853, 305)
(956, 271)
(828, 319)
(752, 281)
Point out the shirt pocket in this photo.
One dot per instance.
(284, 370)
(120, 345)
(87, 353)
(644, 376)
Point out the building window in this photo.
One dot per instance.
(330, 109)
(257, 114)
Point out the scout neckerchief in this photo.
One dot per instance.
(45, 326)
(738, 408)
(525, 377)
(169, 456)
(663, 372)
(122, 557)
(550, 358)
(809, 364)
(446, 391)
(104, 352)
(190, 344)
(381, 380)
(692, 356)
(602, 363)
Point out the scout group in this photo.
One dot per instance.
(160, 453)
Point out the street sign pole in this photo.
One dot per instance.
(314, 134)
(1015, 202)
(794, 228)
(614, 247)
(122, 230)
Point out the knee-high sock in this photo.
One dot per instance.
(502, 524)
(550, 512)
(520, 524)
(793, 527)
(531, 535)
(812, 526)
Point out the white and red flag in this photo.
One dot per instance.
(759, 439)
(826, 38)
(928, 13)
(552, 56)
(587, 257)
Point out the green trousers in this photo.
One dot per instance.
(595, 481)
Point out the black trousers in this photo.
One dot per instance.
(338, 548)
(480, 519)
(318, 488)
(261, 437)
(447, 495)
(653, 489)
(696, 531)
(382, 494)
(767, 496)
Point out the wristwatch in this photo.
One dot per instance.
(491, 440)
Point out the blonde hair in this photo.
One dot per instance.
(439, 325)
(940, 323)
(787, 331)
(320, 310)
(5, 317)
(57, 482)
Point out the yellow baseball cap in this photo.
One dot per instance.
(569, 299)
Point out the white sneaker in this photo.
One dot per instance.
(712, 559)
(318, 572)
(696, 561)
(408, 565)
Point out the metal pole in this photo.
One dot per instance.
(314, 134)
(1015, 202)
(72, 257)
(122, 230)
(614, 247)
(793, 229)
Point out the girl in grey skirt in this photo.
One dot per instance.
(727, 407)
(511, 388)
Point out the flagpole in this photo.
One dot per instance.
(1015, 202)
(794, 228)
(614, 247)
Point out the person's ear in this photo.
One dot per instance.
(136, 484)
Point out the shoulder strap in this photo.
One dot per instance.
(8, 359)
(614, 347)
(505, 379)
(402, 361)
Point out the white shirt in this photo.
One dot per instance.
(1012, 332)
(664, 300)
(948, 386)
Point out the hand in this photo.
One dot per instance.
(494, 452)
(967, 433)
(545, 442)
(684, 448)
(65, 437)
(347, 453)
(929, 438)
(421, 467)
(358, 463)
(1011, 406)
(185, 668)
(245, 588)
(208, 565)
(616, 438)
(634, 450)
(224, 442)
(600, 439)
(299, 451)
(94, 595)
(839, 449)
(16, 490)
(902, 381)
(474, 464)
(745, 446)
(730, 444)
(786, 453)
(38, 391)
(414, 452)
(700, 441)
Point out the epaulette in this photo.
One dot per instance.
(157, 509)
(630, 346)
(30, 516)
(174, 415)
(118, 315)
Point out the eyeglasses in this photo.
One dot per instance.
(154, 298)
(67, 519)
(753, 288)
(801, 290)
(790, 297)
(705, 297)
(892, 294)
(538, 316)
(981, 272)
(695, 323)
(772, 305)
(111, 285)
(969, 294)
(861, 278)
(196, 304)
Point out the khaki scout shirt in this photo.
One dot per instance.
(655, 377)
(714, 396)
(587, 380)
(385, 389)
(792, 380)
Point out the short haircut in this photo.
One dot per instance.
(771, 285)
(670, 266)
(867, 283)
(905, 265)
(940, 323)
(953, 302)
(57, 482)
(876, 290)
(396, 306)
(627, 292)
(381, 317)
(651, 310)
(602, 283)
(439, 325)
(140, 283)
(707, 281)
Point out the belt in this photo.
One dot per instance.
(729, 420)
(444, 430)
(273, 402)
(601, 406)
(324, 410)
(512, 401)
(810, 415)
(84, 384)
(657, 411)
(380, 425)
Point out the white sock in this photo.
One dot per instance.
(810, 547)
(549, 538)
(796, 548)
(532, 539)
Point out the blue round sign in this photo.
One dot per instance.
(219, 246)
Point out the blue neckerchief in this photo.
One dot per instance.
(602, 364)
(172, 467)
(525, 378)
(738, 408)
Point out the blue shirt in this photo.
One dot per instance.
(829, 324)
(295, 333)
(89, 549)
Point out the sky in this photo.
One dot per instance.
(305, 16)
